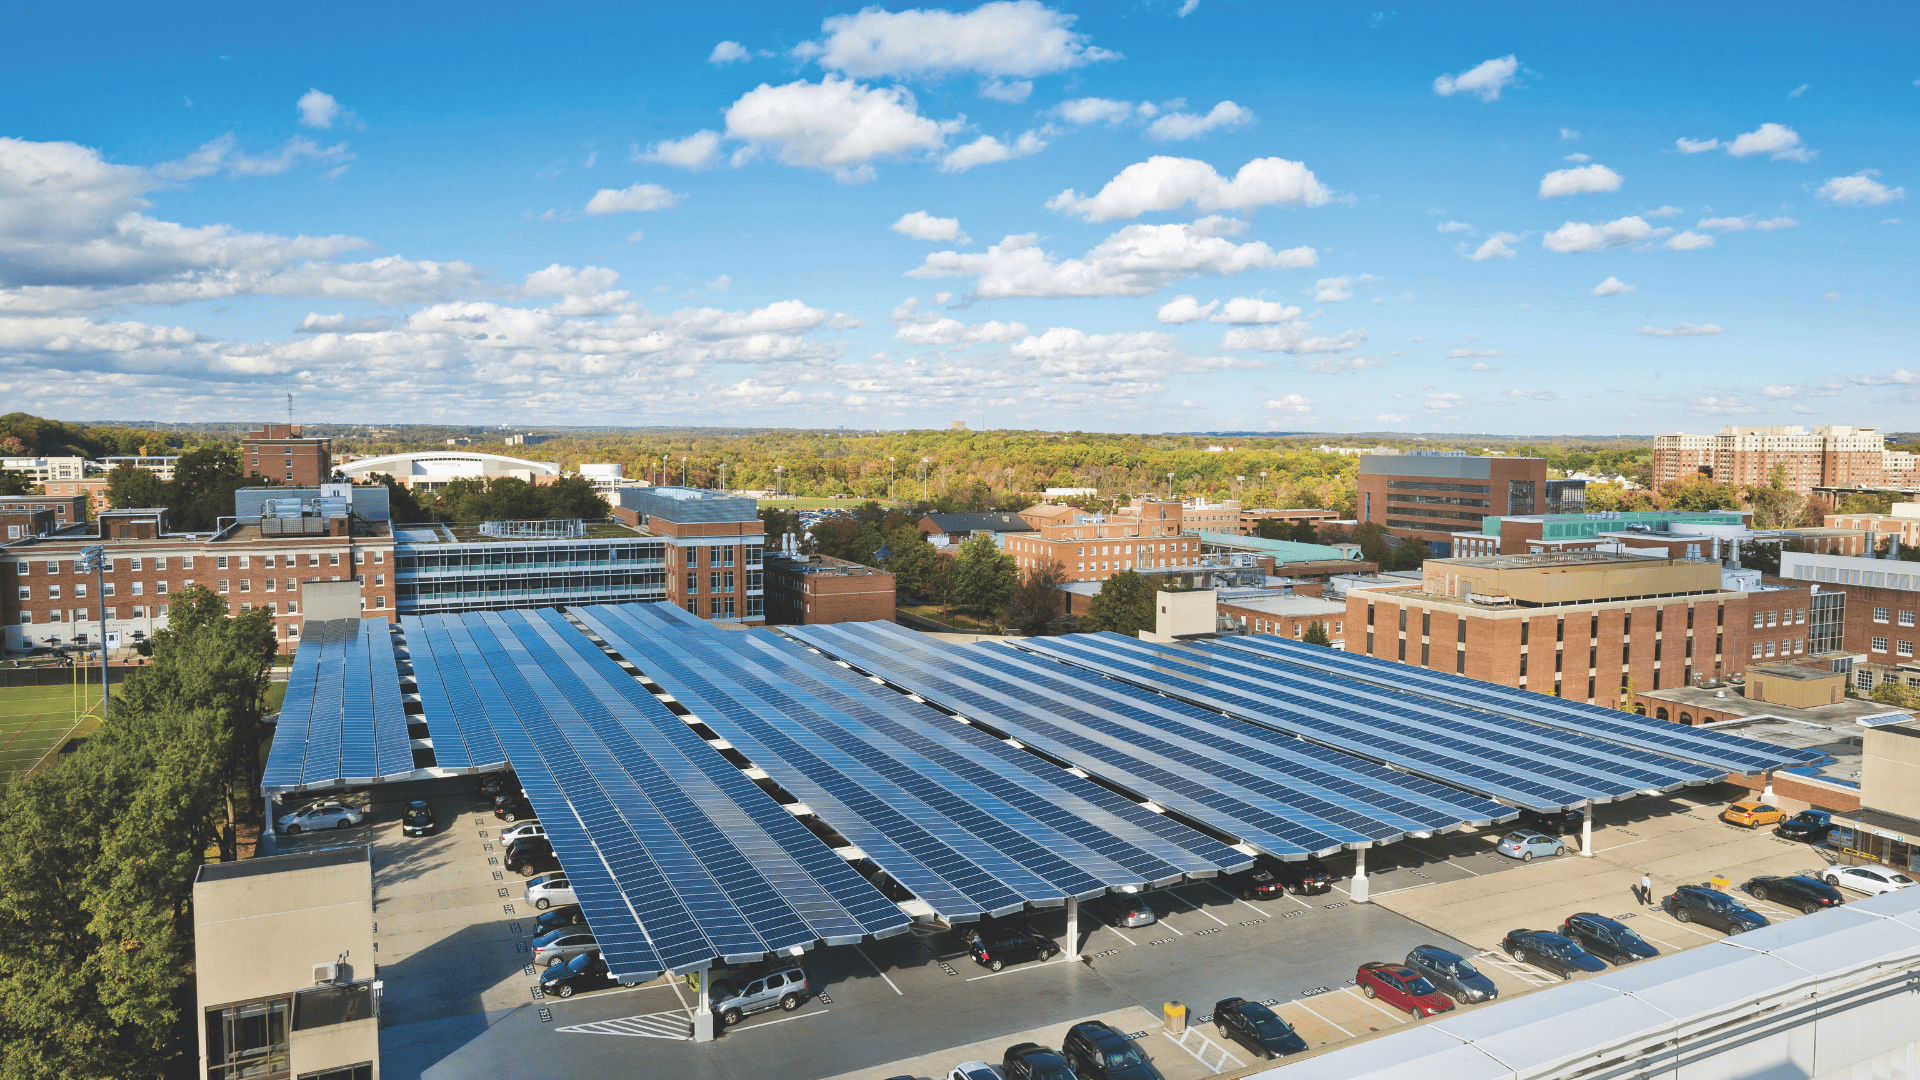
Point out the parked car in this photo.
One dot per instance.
(1123, 909)
(1524, 844)
(1699, 903)
(734, 1001)
(416, 819)
(1401, 987)
(559, 946)
(1812, 826)
(1307, 877)
(996, 950)
(1608, 939)
(1097, 1051)
(1256, 1027)
(522, 831)
(1872, 880)
(530, 856)
(1269, 877)
(549, 889)
(1752, 813)
(588, 971)
(1549, 951)
(1453, 974)
(555, 918)
(320, 815)
(1031, 1061)
(1553, 822)
(1809, 894)
(975, 1070)
(512, 807)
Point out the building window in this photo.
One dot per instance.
(223, 585)
(693, 581)
(293, 608)
(269, 584)
(713, 607)
(245, 561)
(290, 584)
(53, 592)
(26, 618)
(1906, 618)
(248, 1040)
(379, 601)
(1904, 648)
(1879, 644)
(220, 562)
(379, 579)
(333, 558)
(160, 587)
(1880, 614)
(246, 584)
(313, 558)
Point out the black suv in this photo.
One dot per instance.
(512, 807)
(1269, 877)
(530, 856)
(1031, 1061)
(1811, 826)
(1807, 894)
(1550, 951)
(495, 784)
(1554, 822)
(1606, 938)
(1098, 1051)
(997, 947)
(1256, 1027)
(416, 819)
(1700, 903)
(555, 918)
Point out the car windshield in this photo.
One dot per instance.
(1123, 1057)
(980, 1074)
(1462, 969)
(1901, 879)
(1419, 985)
(1626, 937)
(1272, 1027)
(1516, 838)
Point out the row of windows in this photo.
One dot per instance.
(84, 615)
(721, 607)
(529, 555)
(139, 564)
(721, 581)
(1881, 615)
(1788, 647)
(1443, 500)
(1422, 485)
(1901, 648)
(1789, 617)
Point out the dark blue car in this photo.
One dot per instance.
(1704, 904)
(1453, 974)
(1608, 939)
(1551, 952)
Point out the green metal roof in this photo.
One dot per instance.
(1590, 526)
(1283, 551)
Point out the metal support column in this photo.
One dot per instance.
(1586, 832)
(1357, 888)
(1767, 792)
(1073, 929)
(703, 1011)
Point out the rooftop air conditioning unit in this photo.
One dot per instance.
(325, 974)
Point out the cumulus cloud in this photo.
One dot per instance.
(1720, 406)
(1247, 310)
(1011, 91)
(697, 151)
(1437, 401)
(1680, 330)
(1860, 189)
(1295, 404)
(1335, 289)
(1185, 309)
(1613, 286)
(1724, 224)
(727, 52)
(1461, 352)
(1179, 126)
(316, 323)
(1774, 224)
(1348, 365)
(320, 110)
(1136, 261)
(1291, 338)
(1484, 80)
(1696, 146)
(1577, 157)
(921, 225)
(986, 150)
(1664, 212)
(1688, 241)
(1777, 141)
(631, 200)
(1020, 39)
(223, 155)
(916, 327)
(1497, 246)
(1455, 226)
(1574, 236)
(1169, 183)
(836, 125)
(1896, 377)
(1093, 110)
(1585, 180)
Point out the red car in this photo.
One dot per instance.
(1402, 987)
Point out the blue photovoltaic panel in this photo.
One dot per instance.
(483, 745)
(436, 710)
(1885, 719)
(356, 716)
(393, 750)
(286, 759)
(329, 704)
(1722, 751)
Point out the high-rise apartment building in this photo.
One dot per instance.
(1748, 456)
(1430, 496)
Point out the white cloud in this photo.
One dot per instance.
(1577, 157)
(697, 151)
(1290, 338)
(1896, 377)
(224, 155)
(1680, 330)
(1688, 241)
(1093, 110)
(1496, 246)
(921, 225)
(1569, 135)
(1798, 90)
(1774, 224)
(1136, 261)
(1778, 390)
(1484, 80)
(1535, 395)
(1461, 352)
(986, 150)
(1011, 91)
(1348, 365)
(1481, 365)
(636, 236)
(1336, 289)
(1185, 309)
(629, 200)
(1188, 7)
(1455, 226)
(720, 284)
(1860, 189)
(1830, 297)
(1585, 180)
(836, 124)
(1019, 39)
(1664, 212)
(1291, 403)
(1696, 146)
(1247, 310)
(1613, 286)
(1775, 140)
(1178, 126)
(727, 52)
(1720, 406)
(1445, 402)
(1168, 183)
(920, 328)
(1724, 224)
(1575, 236)
(316, 323)
(317, 109)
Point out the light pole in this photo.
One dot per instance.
(1169, 485)
(723, 476)
(683, 470)
(93, 558)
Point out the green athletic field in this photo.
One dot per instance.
(33, 720)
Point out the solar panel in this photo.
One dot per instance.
(286, 758)
(329, 697)
(357, 763)
(1884, 719)
(393, 749)
(483, 745)
(436, 710)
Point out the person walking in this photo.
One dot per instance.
(1646, 890)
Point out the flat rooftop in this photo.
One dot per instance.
(278, 864)
(468, 532)
(1842, 713)
(1548, 560)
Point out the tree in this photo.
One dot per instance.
(130, 487)
(1897, 695)
(1869, 502)
(403, 508)
(1774, 505)
(204, 480)
(984, 577)
(1700, 494)
(914, 564)
(12, 483)
(1038, 601)
(779, 523)
(1124, 605)
(1317, 634)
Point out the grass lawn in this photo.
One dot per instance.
(34, 719)
(958, 622)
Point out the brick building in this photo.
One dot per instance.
(1882, 607)
(1283, 614)
(1744, 456)
(1093, 547)
(41, 470)
(278, 452)
(1579, 625)
(713, 544)
(33, 515)
(809, 589)
(1249, 519)
(1430, 496)
(952, 530)
(1901, 523)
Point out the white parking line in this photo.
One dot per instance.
(1323, 1019)
(1116, 930)
(1192, 907)
(1019, 967)
(1209, 884)
(1363, 997)
(782, 1020)
(876, 969)
(1675, 922)
(1617, 847)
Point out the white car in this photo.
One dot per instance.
(549, 889)
(321, 815)
(976, 1070)
(521, 831)
(1872, 880)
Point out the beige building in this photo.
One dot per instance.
(283, 967)
(1901, 523)
(1747, 456)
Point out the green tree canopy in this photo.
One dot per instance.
(132, 488)
(984, 577)
(1700, 495)
(1124, 605)
(1317, 634)
(1038, 601)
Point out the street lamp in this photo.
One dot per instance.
(1169, 485)
(93, 558)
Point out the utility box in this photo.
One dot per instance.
(1175, 1020)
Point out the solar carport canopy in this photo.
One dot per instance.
(342, 720)
(971, 825)
(1716, 749)
(1493, 756)
(1281, 795)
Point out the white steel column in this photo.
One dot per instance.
(1073, 929)
(703, 1011)
(1586, 832)
(1357, 888)
(1767, 792)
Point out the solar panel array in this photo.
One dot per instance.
(343, 720)
(1494, 756)
(1278, 794)
(970, 825)
(1882, 720)
(1718, 749)
(286, 758)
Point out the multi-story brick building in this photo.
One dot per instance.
(1580, 625)
(1093, 547)
(952, 530)
(1430, 496)
(804, 590)
(1901, 524)
(1882, 622)
(713, 545)
(1748, 456)
(1250, 519)
(1283, 614)
(34, 515)
(278, 452)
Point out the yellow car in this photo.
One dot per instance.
(1752, 814)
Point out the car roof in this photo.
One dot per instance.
(1747, 804)
(1438, 953)
(1591, 917)
(1530, 832)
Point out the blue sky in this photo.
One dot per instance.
(1526, 219)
